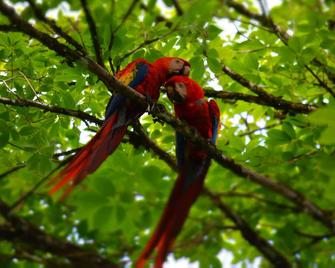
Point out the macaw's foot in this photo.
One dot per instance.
(159, 109)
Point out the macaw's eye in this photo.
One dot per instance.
(181, 88)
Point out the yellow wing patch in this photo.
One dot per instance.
(126, 78)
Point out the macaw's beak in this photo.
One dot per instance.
(185, 70)
(174, 95)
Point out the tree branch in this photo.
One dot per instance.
(11, 170)
(126, 16)
(267, 22)
(37, 185)
(264, 20)
(21, 230)
(144, 44)
(39, 14)
(275, 257)
(252, 131)
(159, 18)
(8, 28)
(178, 8)
(51, 108)
(271, 101)
(258, 198)
(94, 33)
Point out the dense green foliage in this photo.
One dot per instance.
(113, 209)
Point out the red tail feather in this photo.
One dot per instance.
(175, 213)
(91, 156)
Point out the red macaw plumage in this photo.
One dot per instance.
(193, 164)
(144, 77)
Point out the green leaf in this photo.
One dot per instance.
(289, 130)
(328, 135)
(198, 68)
(278, 137)
(213, 31)
(323, 116)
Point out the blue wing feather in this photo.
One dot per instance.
(141, 71)
(117, 100)
(215, 117)
(215, 125)
(114, 103)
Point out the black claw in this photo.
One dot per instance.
(151, 104)
(159, 108)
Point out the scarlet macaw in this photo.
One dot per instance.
(144, 77)
(193, 163)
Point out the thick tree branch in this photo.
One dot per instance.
(276, 258)
(41, 16)
(94, 33)
(269, 100)
(44, 38)
(8, 28)
(23, 231)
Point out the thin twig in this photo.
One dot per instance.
(117, 28)
(144, 44)
(126, 16)
(11, 170)
(30, 85)
(258, 129)
(50, 108)
(94, 33)
(263, 6)
(65, 153)
(321, 83)
(37, 185)
(178, 8)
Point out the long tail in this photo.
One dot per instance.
(90, 157)
(183, 195)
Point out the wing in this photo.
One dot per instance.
(214, 112)
(132, 75)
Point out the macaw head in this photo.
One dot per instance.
(181, 89)
(173, 66)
